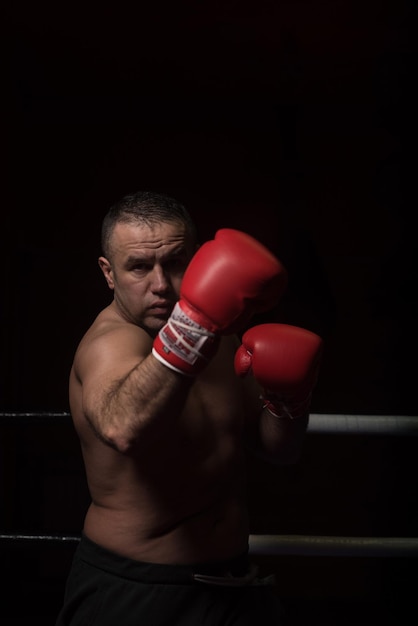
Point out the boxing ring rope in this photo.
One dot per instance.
(322, 423)
(363, 424)
(276, 545)
(280, 545)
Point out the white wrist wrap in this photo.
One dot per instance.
(185, 345)
(286, 409)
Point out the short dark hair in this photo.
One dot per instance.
(146, 207)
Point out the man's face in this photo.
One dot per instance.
(145, 271)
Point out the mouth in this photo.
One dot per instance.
(161, 309)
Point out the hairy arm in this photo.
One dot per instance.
(125, 392)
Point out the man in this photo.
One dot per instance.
(166, 404)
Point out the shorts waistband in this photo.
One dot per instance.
(235, 571)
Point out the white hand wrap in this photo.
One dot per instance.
(184, 345)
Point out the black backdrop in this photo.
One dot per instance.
(292, 121)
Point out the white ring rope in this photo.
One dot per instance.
(323, 423)
(306, 545)
(363, 424)
(279, 545)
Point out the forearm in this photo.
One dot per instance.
(141, 403)
(280, 440)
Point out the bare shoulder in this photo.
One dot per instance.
(110, 341)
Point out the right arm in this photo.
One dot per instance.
(126, 392)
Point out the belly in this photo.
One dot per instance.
(183, 509)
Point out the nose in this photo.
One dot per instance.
(159, 280)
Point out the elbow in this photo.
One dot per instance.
(120, 441)
(121, 438)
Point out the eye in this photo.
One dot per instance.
(141, 267)
(176, 264)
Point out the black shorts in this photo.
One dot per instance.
(106, 589)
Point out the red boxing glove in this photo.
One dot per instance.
(285, 361)
(229, 279)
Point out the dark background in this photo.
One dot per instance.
(289, 120)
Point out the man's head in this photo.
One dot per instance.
(148, 240)
(148, 208)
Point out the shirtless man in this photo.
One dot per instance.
(166, 404)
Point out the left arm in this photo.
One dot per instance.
(284, 361)
(276, 440)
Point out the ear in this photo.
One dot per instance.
(106, 268)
